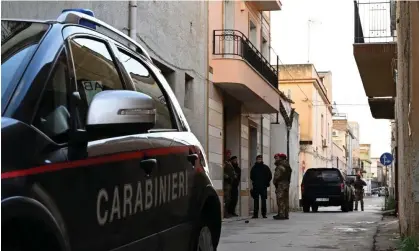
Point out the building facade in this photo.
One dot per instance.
(243, 89)
(339, 157)
(394, 53)
(343, 136)
(311, 92)
(365, 156)
(356, 161)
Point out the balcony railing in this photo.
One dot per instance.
(374, 21)
(235, 43)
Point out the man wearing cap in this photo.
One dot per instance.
(261, 176)
(229, 177)
(234, 186)
(282, 179)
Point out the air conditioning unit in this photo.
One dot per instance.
(324, 143)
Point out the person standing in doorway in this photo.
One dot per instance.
(359, 192)
(229, 177)
(261, 176)
(235, 186)
(282, 180)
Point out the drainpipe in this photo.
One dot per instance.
(288, 142)
(261, 135)
(133, 19)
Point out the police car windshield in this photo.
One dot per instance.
(19, 41)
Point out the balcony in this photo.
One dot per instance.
(375, 52)
(244, 72)
(267, 5)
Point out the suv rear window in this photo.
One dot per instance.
(322, 175)
(19, 41)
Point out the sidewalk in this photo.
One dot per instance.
(233, 219)
(387, 237)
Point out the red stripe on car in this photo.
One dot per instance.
(95, 161)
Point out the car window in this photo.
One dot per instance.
(95, 70)
(53, 117)
(19, 41)
(319, 176)
(145, 83)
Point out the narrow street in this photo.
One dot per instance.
(329, 229)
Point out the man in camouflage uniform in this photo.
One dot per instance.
(235, 186)
(282, 179)
(359, 192)
(229, 177)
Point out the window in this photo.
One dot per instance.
(319, 176)
(19, 41)
(252, 33)
(188, 103)
(94, 69)
(265, 48)
(145, 83)
(53, 117)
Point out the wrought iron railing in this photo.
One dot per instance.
(235, 43)
(374, 21)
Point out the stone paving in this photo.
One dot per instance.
(329, 229)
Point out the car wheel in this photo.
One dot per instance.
(314, 208)
(204, 242)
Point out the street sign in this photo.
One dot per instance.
(386, 159)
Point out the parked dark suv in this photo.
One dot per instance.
(325, 187)
(97, 154)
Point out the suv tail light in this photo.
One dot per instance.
(342, 187)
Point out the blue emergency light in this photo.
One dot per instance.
(83, 21)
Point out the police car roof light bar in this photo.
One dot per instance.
(74, 17)
(82, 21)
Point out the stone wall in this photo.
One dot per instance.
(407, 106)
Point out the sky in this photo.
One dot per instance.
(331, 49)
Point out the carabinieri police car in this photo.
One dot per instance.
(96, 151)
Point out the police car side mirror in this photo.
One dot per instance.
(120, 112)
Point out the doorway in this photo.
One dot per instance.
(253, 134)
(232, 132)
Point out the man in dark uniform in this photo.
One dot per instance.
(234, 186)
(282, 180)
(229, 177)
(261, 176)
(359, 192)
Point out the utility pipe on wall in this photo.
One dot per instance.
(133, 19)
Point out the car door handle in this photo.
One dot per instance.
(148, 165)
(192, 158)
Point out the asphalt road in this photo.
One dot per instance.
(329, 229)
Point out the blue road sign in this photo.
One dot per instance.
(386, 159)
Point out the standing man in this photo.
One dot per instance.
(261, 176)
(235, 186)
(282, 180)
(359, 192)
(229, 176)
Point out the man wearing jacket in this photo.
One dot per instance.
(235, 186)
(282, 180)
(359, 192)
(261, 176)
